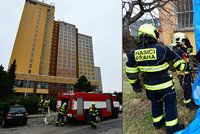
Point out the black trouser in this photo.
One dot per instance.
(46, 109)
(185, 81)
(60, 116)
(164, 99)
(93, 119)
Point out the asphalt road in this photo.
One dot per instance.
(37, 126)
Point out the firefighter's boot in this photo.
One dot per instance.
(57, 123)
(176, 128)
(62, 124)
(159, 124)
(94, 125)
(91, 125)
(191, 105)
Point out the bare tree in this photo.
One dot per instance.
(134, 10)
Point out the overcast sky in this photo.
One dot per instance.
(100, 19)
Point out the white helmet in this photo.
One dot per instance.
(179, 38)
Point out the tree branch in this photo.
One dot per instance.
(150, 3)
(129, 18)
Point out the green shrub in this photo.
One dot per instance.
(53, 102)
(6, 101)
(3, 105)
(31, 104)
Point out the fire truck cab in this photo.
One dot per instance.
(78, 105)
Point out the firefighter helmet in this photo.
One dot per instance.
(93, 104)
(179, 38)
(149, 30)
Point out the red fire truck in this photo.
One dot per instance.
(78, 105)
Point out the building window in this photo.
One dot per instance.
(32, 84)
(29, 71)
(19, 83)
(44, 85)
(39, 85)
(28, 83)
(184, 11)
(24, 84)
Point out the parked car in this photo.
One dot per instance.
(15, 114)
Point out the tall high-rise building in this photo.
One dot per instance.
(85, 56)
(98, 78)
(32, 45)
(50, 55)
(66, 58)
(74, 52)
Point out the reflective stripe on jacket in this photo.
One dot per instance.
(61, 110)
(153, 60)
(94, 111)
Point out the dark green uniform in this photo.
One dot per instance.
(61, 113)
(93, 115)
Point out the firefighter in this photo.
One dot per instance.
(61, 112)
(93, 115)
(40, 106)
(46, 105)
(181, 45)
(152, 59)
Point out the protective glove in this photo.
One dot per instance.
(188, 46)
(98, 119)
(137, 87)
(189, 50)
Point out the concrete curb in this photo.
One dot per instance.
(44, 115)
(40, 115)
(36, 116)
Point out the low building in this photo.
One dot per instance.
(178, 18)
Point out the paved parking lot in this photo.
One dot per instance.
(37, 126)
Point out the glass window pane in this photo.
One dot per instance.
(191, 19)
(183, 20)
(179, 20)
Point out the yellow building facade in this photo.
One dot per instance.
(35, 51)
(33, 40)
